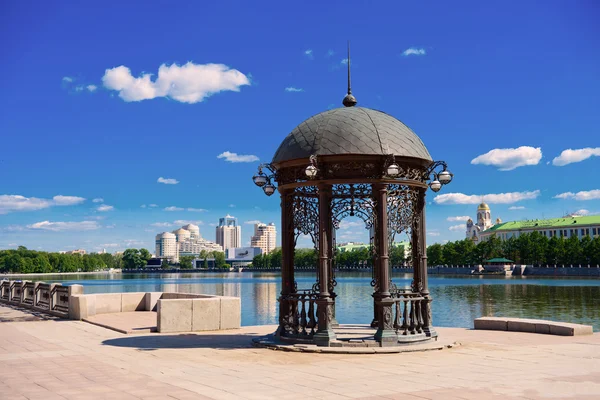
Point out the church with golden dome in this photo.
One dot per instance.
(484, 222)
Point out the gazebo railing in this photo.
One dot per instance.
(408, 315)
(302, 320)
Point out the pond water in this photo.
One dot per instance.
(458, 300)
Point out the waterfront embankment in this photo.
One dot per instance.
(48, 359)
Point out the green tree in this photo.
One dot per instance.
(219, 259)
(145, 254)
(132, 259)
(434, 255)
(185, 262)
(165, 264)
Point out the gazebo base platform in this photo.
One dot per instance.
(353, 339)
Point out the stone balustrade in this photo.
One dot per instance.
(50, 298)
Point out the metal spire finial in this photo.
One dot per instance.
(349, 100)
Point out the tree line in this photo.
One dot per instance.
(527, 249)
(307, 258)
(24, 261)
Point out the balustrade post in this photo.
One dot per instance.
(325, 334)
(385, 334)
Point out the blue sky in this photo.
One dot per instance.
(80, 122)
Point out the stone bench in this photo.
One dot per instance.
(532, 326)
(175, 312)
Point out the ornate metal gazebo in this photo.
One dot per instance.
(359, 162)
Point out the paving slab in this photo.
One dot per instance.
(45, 359)
(126, 322)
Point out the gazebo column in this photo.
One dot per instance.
(385, 334)
(287, 309)
(375, 262)
(428, 328)
(330, 264)
(324, 335)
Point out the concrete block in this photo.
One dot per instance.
(231, 313)
(75, 289)
(491, 324)
(565, 329)
(151, 299)
(108, 303)
(78, 308)
(206, 314)
(133, 301)
(174, 315)
(91, 305)
(521, 325)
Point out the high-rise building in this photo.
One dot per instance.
(264, 237)
(228, 233)
(166, 245)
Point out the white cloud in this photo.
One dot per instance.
(570, 156)
(252, 222)
(433, 233)
(413, 51)
(581, 196)
(197, 209)
(181, 222)
(234, 157)
(458, 218)
(105, 207)
(67, 79)
(79, 88)
(232, 206)
(457, 228)
(91, 88)
(500, 198)
(580, 213)
(329, 53)
(173, 208)
(152, 205)
(65, 226)
(293, 89)
(11, 202)
(189, 83)
(167, 181)
(67, 200)
(98, 200)
(161, 224)
(309, 53)
(344, 61)
(512, 208)
(509, 159)
(143, 206)
(351, 224)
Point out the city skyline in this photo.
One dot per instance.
(103, 156)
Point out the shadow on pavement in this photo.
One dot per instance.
(185, 341)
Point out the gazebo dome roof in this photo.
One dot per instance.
(351, 130)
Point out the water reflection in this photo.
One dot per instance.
(457, 300)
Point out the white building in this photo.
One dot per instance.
(185, 241)
(166, 245)
(565, 227)
(264, 237)
(228, 233)
(484, 221)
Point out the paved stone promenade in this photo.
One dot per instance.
(53, 359)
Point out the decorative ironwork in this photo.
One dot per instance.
(402, 209)
(305, 207)
(302, 319)
(352, 201)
